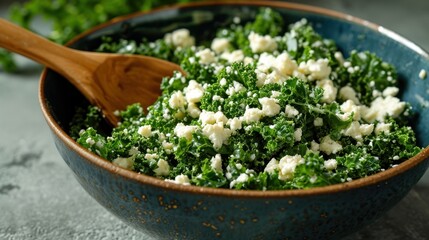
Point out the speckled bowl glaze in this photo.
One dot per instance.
(168, 211)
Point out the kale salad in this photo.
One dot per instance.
(263, 106)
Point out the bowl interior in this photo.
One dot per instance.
(349, 34)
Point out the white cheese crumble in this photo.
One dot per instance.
(270, 107)
(185, 131)
(177, 100)
(390, 91)
(235, 88)
(315, 69)
(314, 146)
(180, 38)
(271, 69)
(151, 156)
(193, 110)
(145, 131)
(217, 134)
(330, 164)
(242, 178)
(285, 167)
(422, 74)
(285, 65)
(259, 43)
(168, 147)
(214, 127)
(234, 124)
(251, 115)
(329, 90)
(193, 92)
(339, 57)
(329, 146)
(163, 168)
(216, 163)
(382, 128)
(348, 93)
(349, 108)
(297, 134)
(90, 141)
(206, 56)
(220, 45)
(357, 130)
(382, 107)
(126, 163)
(208, 117)
(290, 111)
(318, 122)
(234, 56)
(180, 179)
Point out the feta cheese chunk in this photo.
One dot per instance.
(177, 100)
(329, 146)
(234, 124)
(285, 167)
(318, 122)
(193, 110)
(216, 163)
(390, 91)
(220, 45)
(290, 111)
(329, 90)
(242, 178)
(163, 168)
(382, 128)
(185, 131)
(180, 38)
(251, 115)
(382, 107)
(181, 179)
(422, 74)
(260, 43)
(315, 69)
(126, 163)
(208, 117)
(357, 130)
(145, 131)
(330, 164)
(285, 65)
(217, 134)
(270, 107)
(348, 108)
(297, 134)
(206, 56)
(234, 56)
(348, 93)
(193, 92)
(235, 88)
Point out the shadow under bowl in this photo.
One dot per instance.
(168, 211)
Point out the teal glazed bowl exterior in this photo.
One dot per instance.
(165, 210)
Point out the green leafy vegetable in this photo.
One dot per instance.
(267, 119)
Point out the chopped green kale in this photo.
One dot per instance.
(295, 115)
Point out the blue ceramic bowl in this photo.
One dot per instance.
(168, 211)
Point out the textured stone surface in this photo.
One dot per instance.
(40, 199)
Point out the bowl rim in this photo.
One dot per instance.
(91, 158)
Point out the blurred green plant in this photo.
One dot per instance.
(72, 17)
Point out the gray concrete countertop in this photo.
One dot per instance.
(40, 199)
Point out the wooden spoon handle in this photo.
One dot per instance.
(41, 50)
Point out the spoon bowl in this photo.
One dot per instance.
(109, 81)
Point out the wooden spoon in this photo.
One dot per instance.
(109, 81)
